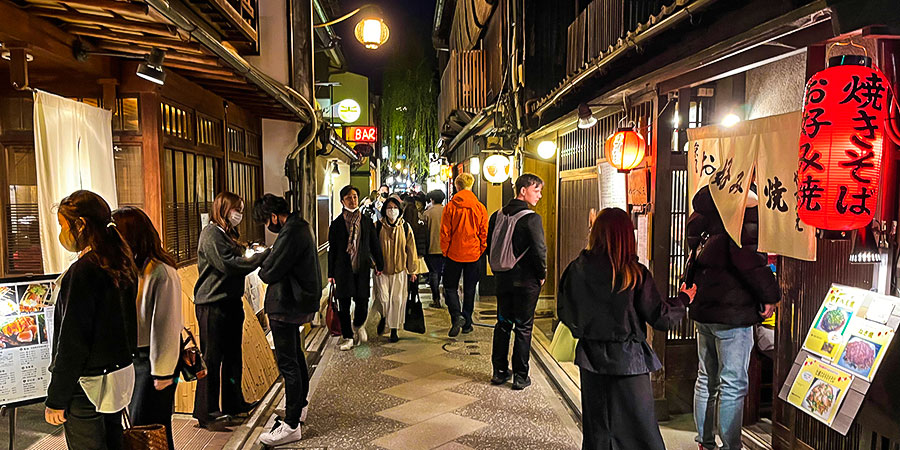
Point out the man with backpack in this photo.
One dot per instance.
(517, 254)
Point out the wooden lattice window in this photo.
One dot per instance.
(236, 141)
(244, 180)
(190, 181)
(127, 115)
(177, 122)
(209, 131)
(253, 145)
(129, 175)
(23, 239)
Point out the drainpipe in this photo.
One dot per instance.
(282, 94)
(669, 22)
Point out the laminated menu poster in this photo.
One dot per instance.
(827, 331)
(851, 330)
(819, 390)
(26, 329)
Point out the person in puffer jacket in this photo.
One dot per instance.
(464, 227)
(735, 290)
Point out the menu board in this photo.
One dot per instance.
(847, 340)
(851, 330)
(26, 330)
(819, 390)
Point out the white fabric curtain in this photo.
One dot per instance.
(73, 150)
(726, 158)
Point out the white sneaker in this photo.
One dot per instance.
(360, 336)
(347, 344)
(303, 413)
(282, 434)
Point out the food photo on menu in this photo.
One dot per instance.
(819, 389)
(820, 399)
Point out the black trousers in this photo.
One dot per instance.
(360, 282)
(87, 429)
(516, 302)
(221, 334)
(453, 271)
(292, 365)
(148, 405)
(618, 412)
(435, 265)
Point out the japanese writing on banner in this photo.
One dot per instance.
(702, 151)
(730, 184)
(780, 228)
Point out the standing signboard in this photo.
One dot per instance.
(841, 354)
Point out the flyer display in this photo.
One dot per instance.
(26, 330)
(865, 347)
(832, 321)
(819, 390)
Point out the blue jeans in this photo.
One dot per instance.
(722, 382)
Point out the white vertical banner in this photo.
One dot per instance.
(780, 228)
(730, 184)
(612, 187)
(703, 159)
(73, 150)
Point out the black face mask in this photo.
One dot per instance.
(275, 227)
(384, 195)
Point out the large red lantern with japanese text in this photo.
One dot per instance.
(625, 149)
(841, 141)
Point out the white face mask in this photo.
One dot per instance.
(235, 218)
(393, 214)
(351, 210)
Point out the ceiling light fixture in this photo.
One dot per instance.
(586, 118)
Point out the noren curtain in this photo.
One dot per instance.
(73, 150)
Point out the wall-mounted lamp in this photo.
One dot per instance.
(151, 69)
(474, 165)
(335, 171)
(586, 118)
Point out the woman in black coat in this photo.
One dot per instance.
(352, 249)
(607, 298)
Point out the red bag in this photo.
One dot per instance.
(332, 319)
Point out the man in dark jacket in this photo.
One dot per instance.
(519, 287)
(353, 248)
(735, 290)
(295, 287)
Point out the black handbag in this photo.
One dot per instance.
(690, 268)
(190, 363)
(415, 318)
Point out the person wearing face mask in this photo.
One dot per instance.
(94, 328)
(353, 249)
(383, 192)
(218, 302)
(398, 244)
(294, 288)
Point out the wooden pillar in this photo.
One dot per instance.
(302, 81)
(153, 157)
(661, 198)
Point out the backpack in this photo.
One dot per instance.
(501, 255)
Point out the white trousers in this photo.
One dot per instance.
(391, 292)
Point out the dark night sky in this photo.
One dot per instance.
(406, 19)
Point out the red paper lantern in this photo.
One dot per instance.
(625, 149)
(841, 141)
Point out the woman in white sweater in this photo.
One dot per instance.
(159, 322)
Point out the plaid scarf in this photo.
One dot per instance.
(352, 221)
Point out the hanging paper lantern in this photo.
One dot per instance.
(844, 115)
(625, 149)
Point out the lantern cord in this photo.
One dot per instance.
(851, 44)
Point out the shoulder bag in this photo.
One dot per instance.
(190, 363)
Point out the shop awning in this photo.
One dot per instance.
(135, 28)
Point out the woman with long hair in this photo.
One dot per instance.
(398, 245)
(606, 298)
(218, 301)
(159, 321)
(94, 329)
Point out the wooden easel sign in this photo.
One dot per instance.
(841, 353)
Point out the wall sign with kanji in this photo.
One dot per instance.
(841, 142)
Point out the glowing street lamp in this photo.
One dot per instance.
(371, 31)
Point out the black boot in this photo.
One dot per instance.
(394, 337)
(380, 328)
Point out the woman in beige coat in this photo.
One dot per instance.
(398, 244)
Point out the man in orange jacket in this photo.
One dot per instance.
(464, 225)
